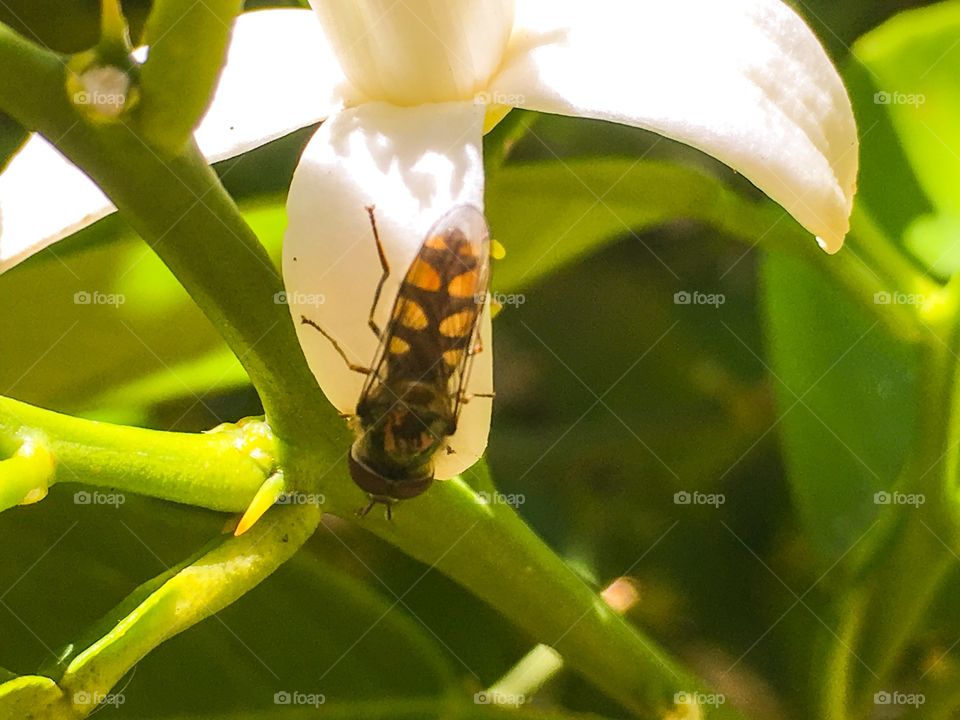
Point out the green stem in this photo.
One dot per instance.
(220, 470)
(188, 41)
(835, 683)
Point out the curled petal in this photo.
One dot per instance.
(743, 80)
(280, 75)
(413, 165)
(418, 51)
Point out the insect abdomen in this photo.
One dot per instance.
(436, 310)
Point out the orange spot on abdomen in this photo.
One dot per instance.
(411, 315)
(463, 285)
(436, 242)
(458, 325)
(423, 275)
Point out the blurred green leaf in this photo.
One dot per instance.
(846, 398)
(402, 709)
(312, 619)
(933, 240)
(552, 213)
(907, 101)
(103, 296)
(911, 58)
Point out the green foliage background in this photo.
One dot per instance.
(699, 399)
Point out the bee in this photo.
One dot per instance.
(416, 384)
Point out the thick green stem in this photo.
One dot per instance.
(188, 41)
(220, 470)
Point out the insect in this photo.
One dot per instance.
(416, 383)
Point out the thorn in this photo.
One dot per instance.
(273, 487)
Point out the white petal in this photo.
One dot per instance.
(743, 80)
(43, 198)
(413, 165)
(280, 75)
(418, 51)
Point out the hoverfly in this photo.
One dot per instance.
(416, 383)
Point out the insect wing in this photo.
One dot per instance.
(435, 320)
(467, 285)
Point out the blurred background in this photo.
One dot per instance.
(612, 397)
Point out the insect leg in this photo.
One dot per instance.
(387, 504)
(353, 366)
(466, 397)
(383, 278)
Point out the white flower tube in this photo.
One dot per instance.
(412, 165)
(417, 51)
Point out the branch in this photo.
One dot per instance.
(220, 470)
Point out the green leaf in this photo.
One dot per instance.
(553, 213)
(907, 102)
(911, 59)
(301, 621)
(846, 395)
(933, 240)
(135, 356)
(188, 41)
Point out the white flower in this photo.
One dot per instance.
(407, 86)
